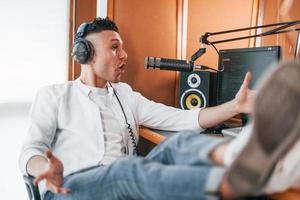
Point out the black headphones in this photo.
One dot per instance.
(82, 50)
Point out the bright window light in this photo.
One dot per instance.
(34, 52)
(34, 46)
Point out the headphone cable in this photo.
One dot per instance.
(131, 134)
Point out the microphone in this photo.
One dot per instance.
(172, 64)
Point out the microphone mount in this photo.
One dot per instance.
(185, 65)
(278, 30)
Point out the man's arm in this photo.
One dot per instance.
(44, 112)
(242, 103)
(209, 117)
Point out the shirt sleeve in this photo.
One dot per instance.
(43, 123)
(159, 116)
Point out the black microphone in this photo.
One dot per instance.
(168, 64)
(171, 64)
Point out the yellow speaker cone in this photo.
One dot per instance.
(193, 101)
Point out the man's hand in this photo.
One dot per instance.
(53, 175)
(242, 103)
(244, 99)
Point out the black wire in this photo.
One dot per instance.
(297, 46)
(220, 58)
(130, 131)
(212, 69)
(200, 52)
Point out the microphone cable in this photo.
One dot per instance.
(221, 60)
(129, 128)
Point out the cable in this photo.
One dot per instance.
(297, 46)
(130, 131)
(199, 53)
(205, 67)
(221, 60)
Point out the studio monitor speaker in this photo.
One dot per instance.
(196, 89)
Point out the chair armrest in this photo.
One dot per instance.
(32, 190)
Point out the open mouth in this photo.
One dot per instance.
(121, 67)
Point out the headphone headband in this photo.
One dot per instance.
(81, 31)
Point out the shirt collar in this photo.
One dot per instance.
(86, 90)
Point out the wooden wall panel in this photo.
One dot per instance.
(80, 11)
(216, 15)
(271, 16)
(148, 28)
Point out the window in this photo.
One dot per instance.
(34, 52)
(34, 46)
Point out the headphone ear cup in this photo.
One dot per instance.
(82, 51)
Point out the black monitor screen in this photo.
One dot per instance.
(237, 62)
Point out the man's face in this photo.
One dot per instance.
(109, 57)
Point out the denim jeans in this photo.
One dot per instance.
(178, 168)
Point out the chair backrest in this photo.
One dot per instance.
(32, 190)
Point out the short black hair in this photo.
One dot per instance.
(100, 24)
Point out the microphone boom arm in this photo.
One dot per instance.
(278, 30)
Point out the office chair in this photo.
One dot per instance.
(32, 190)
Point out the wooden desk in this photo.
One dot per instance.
(288, 195)
(158, 138)
(150, 135)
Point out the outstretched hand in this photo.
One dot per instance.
(53, 175)
(245, 97)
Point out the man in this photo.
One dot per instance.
(90, 124)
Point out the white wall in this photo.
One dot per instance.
(34, 46)
(13, 126)
(34, 52)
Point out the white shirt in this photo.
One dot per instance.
(114, 144)
(286, 174)
(65, 120)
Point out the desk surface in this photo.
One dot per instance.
(156, 137)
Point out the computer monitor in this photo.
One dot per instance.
(236, 63)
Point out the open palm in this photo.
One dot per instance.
(245, 97)
(53, 175)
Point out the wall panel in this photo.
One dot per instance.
(213, 16)
(148, 28)
(80, 11)
(271, 15)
